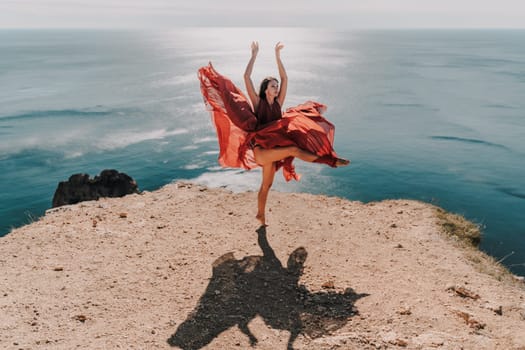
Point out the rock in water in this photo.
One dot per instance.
(79, 187)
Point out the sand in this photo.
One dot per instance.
(133, 272)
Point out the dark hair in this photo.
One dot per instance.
(264, 86)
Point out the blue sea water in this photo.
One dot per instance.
(432, 115)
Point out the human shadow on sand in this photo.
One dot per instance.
(240, 290)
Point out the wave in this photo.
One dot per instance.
(487, 62)
(205, 139)
(520, 76)
(512, 192)
(77, 144)
(189, 147)
(474, 141)
(500, 106)
(73, 154)
(404, 105)
(234, 180)
(128, 138)
(191, 167)
(56, 113)
(177, 80)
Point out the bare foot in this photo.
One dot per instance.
(341, 162)
(261, 218)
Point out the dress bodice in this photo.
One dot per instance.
(267, 113)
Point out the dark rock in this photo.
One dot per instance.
(79, 187)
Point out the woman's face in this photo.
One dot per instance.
(273, 89)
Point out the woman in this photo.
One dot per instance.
(256, 132)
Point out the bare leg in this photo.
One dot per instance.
(267, 181)
(265, 156)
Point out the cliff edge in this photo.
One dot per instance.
(187, 267)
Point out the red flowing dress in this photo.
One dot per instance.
(239, 128)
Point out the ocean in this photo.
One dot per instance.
(431, 115)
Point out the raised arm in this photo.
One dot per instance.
(282, 74)
(252, 94)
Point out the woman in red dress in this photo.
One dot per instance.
(256, 132)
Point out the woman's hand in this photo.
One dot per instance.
(278, 47)
(255, 48)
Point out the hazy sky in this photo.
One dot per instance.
(317, 13)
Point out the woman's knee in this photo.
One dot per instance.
(294, 151)
(258, 154)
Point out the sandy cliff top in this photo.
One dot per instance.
(128, 272)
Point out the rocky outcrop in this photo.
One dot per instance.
(79, 187)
